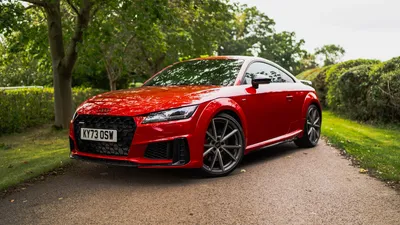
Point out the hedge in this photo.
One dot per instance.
(385, 92)
(361, 89)
(353, 88)
(333, 75)
(317, 77)
(22, 108)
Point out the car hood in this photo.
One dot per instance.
(144, 100)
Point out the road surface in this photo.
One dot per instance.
(281, 185)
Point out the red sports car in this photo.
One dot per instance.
(203, 113)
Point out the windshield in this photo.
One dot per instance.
(199, 72)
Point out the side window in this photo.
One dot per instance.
(280, 76)
(277, 76)
(256, 68)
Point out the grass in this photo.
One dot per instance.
(376, 148)
(32, 153)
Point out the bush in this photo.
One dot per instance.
(353, 88)
(309, 74)
(317, 77)
(333, 75)
(22, 108)
(385, 93)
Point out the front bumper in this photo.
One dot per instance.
(174, 144)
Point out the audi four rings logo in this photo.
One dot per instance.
(104, 110)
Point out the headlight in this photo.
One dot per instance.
(171, 114)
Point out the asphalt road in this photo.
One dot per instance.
(281, 185)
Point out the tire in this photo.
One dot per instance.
(312, 128)
(224, 144)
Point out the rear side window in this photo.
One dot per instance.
(277, 76)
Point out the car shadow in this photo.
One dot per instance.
(267, 154)
(127, 176)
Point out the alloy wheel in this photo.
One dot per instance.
(223, 146)
(313, 125)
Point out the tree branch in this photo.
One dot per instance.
(73, 6)
(82, 23)
(36, 2)
(127, 44)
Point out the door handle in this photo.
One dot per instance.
(289, 98)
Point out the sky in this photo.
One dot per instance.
(364, 28)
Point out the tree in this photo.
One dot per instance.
(140, 37)
(331, 54)
(247, 27)
(63, 57)
(284, 49)
(25, 59)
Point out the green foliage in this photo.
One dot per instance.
(317, 76)
(352, 90)
(283, 49)
(385, 92)
(334, 74)
(364, 90)
(22, 108)
(309, 74)
(330, 54)
(24, 54)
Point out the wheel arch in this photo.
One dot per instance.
(223, 105)
(310, 99)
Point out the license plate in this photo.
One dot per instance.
(98, 135)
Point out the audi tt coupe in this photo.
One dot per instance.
(202, 113)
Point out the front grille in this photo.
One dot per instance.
(159, 150)
(124, 125)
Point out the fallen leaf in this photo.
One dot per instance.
(243, 171)
(60, 198)
(363, 170)
(12, 200)
(288, 156)
(24, 201)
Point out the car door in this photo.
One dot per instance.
(265, 107)
(291, 108)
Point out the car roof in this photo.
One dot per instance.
(229, 57)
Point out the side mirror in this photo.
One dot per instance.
(306, 82)
(260, 79)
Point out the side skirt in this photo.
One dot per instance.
(273, 142)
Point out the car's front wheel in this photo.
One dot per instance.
(312, 128)
(223, 146)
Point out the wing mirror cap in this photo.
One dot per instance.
(260, 79)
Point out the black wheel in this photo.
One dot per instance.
(223, 146)
(312, 128)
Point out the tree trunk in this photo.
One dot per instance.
(63, 63)
(113, 84)
(61, 81)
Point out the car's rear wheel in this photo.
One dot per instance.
(312, 129)
(223, 146)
